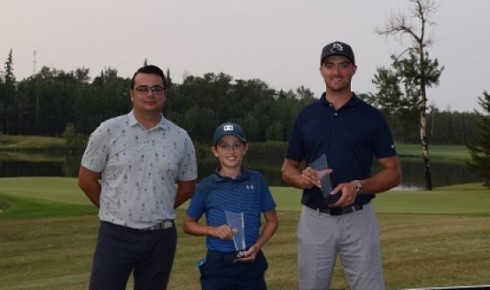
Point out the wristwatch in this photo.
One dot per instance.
(358, 185)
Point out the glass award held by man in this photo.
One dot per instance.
(237, 223)
(320, 165)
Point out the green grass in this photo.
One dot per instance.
(56, 189)
(24, 208)
(471, 199)
(15, 142)
(449, 152)
(31, 156)
(37, 192)
(439, 238)
(39, 197)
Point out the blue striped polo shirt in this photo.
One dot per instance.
(248, 194)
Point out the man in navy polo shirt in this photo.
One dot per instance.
(350, 134)
(233, 199)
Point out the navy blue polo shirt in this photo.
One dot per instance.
(248, 193)
(350, 137)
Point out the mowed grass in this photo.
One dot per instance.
(444, 152)
(19, 142)
(439, 238)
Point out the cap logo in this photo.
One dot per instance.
(337, 47)
(227, 128)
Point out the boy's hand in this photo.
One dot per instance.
(223, 232)
(249, 255)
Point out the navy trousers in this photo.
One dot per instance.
(121, 250)
(219, 272)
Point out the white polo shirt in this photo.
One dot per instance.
(139, 168)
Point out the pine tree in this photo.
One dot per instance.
(9, 70)
(480, 150)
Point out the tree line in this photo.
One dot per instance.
(52, 101)
(69, 104)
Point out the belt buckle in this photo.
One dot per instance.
(167, 224)
(336, 211)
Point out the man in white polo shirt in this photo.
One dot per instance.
(137, 168)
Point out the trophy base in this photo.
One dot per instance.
(240, 254)
(333, 198)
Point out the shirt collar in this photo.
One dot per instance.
(244, 175)
(133, 122)
(351, 102)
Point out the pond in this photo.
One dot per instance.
(38, 164)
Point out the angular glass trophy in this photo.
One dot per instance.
(237, 222)
(321, 166)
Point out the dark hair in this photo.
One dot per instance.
(149, 69)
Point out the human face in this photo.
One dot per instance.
(153, 99)
(230, 151)
(337, 72)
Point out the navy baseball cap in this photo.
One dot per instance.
(338, 48)
(228, 129)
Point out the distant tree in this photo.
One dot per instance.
(8, 98)
(451, 128)
(46, 101)
(200, 123)
(480, 149)
(82, 75)
(112, 95)
(275, 131)
(252, 127)
(414, 70)
(169, 79)
(8, 74)
(73, 139)
(287, 105)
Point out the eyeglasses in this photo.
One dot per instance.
(156, 90)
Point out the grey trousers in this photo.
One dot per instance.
(354, 236)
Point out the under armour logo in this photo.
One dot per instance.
(228, 128)
(250, 187)
(336, 47)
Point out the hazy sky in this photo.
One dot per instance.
(276, 41)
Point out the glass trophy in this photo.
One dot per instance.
(321, 166)
(237, 222)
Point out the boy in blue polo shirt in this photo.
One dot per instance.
(232, 198)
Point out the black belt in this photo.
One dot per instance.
(165, 224)
(223, 256)
(339, 210)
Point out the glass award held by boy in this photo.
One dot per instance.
(237, 223)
